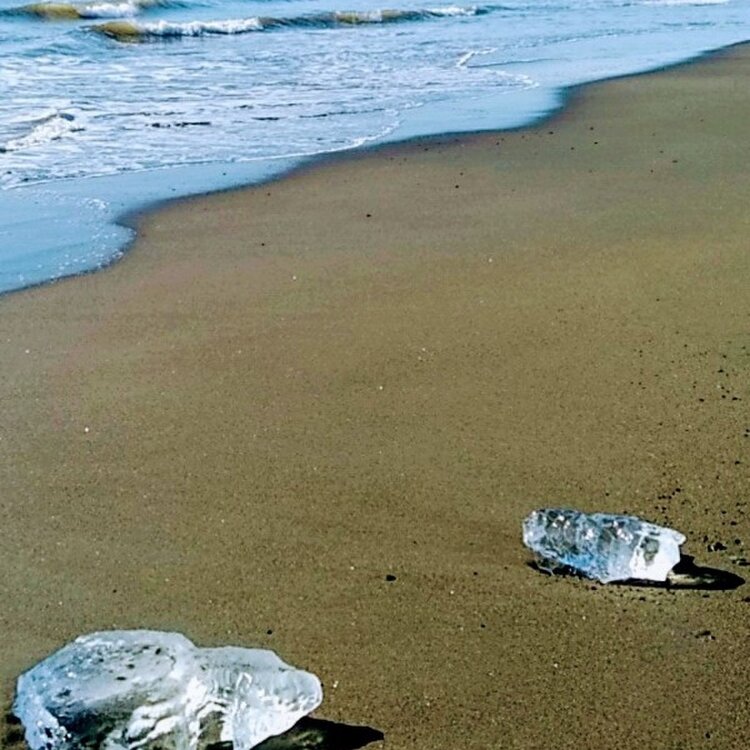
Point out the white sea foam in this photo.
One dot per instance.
(199, 28)
(457, 10)
(110, 10)
(332, 19)
(49, 127)
(65, 11)
(464, 60)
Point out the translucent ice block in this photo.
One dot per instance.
(602, 546)
(143, 689)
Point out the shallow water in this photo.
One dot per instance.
(108, 106)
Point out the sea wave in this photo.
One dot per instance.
(50, 126)
(127, 31)
(78, 11)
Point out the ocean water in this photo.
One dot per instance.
(109, 105)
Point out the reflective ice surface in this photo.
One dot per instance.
(602, 546)
(133, 689)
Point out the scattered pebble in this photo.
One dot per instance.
(706, 635)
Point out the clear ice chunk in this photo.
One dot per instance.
(601, 545)
(144, 689)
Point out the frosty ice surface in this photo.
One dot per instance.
(141, 689)
(601, 545)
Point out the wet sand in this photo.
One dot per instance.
(311, 416)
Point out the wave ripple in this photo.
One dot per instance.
(127, 31)
(49, 127)
(74, 11)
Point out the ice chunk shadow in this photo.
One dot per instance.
(685, 575)
(12, 738)
(316, 734)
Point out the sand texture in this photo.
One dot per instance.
(378, 367)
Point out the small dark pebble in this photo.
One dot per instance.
(269, 631)
(716, 547)
(390, 577)
(707, 634)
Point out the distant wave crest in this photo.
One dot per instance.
(125, 31)
(75, 11)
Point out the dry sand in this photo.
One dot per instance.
(378, 367)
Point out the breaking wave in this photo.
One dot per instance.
(49, 127)
(132, 31)
(77, 11)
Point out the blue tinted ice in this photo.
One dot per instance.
(142, 690)
(602, 546)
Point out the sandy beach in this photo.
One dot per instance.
(312, 415)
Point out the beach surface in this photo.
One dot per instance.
(312, 415)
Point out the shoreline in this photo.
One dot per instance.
(311, 416)
(129, 219)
